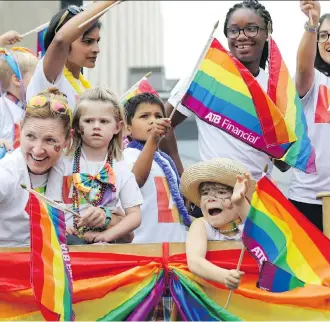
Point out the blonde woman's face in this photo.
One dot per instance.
(97, 123)
(42, 142)
(216, 204)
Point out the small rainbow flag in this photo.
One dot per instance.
(142, 86)
(277, 280)
(282, 91)
(277, 232)
(50, 261)
(225, 94)
(40, 42)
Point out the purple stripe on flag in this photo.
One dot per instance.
(141, 312)
(231, 127)
(266, 277)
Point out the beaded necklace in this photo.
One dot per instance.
(232, 226)
(75, 195)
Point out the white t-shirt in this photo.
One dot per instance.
(160, 216)
(14, 220)
(215, 235)
(215, 143)
(39, 83)
(60, 185)
(304, 187)
(10, 117)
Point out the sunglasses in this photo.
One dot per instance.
(73, 9)
(56, 105)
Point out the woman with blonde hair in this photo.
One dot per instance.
(94, 175)
(45, 132)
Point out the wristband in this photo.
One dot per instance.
(311, 28)
(107, 216)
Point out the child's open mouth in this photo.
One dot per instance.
(215, 211)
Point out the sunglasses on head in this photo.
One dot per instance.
(73, 9)
(55, 104)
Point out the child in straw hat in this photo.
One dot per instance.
(222, 189)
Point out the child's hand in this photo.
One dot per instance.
(94, 217)
(96, 237)
(10, 38)
(241, 188)
(159, 129)
(70, 230)
(5, 144)
(233, 279)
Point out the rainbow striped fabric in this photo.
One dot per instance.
(142, 86)
(225, 94)
(275, 279)
(282, 91)
(50, 261)
(125, 287)
(277, 232)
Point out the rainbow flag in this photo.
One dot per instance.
(50, 261)
(225, 94)
(40, 42)
(275, 279)
(142, 86)
(282, 91)
(277, 232)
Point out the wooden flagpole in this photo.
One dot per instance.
(51, 202)
(201, 57)
(237, 268)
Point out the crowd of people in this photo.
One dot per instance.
(64, 138)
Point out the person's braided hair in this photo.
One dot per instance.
(263, 13)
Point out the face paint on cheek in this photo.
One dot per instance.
(57, 148)
(82, 130)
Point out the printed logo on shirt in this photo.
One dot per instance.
(322, 112)
(16, 136)
(67, 188)
(165, 213)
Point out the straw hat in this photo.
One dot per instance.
(218, 170)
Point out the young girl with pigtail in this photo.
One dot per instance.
(93, 179)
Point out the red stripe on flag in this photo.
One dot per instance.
(322, 114)
(319, 239)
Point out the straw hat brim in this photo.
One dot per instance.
(220, 170)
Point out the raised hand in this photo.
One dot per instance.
(159, 129)
(10, 38)
(241, 187)
(312, 8)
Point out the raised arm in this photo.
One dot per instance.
(168, 144)
(57, 52)
(143, 164)
(307, 48)
(196, 247)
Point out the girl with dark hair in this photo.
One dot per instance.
(69, 49)
(246, 28)
(313, 84)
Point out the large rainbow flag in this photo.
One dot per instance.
(282, 91)
(110, 284)
(277, 232)
(225, 94)
(51, 272)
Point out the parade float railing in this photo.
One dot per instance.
(124, 282)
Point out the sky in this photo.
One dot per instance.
(188, 24)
